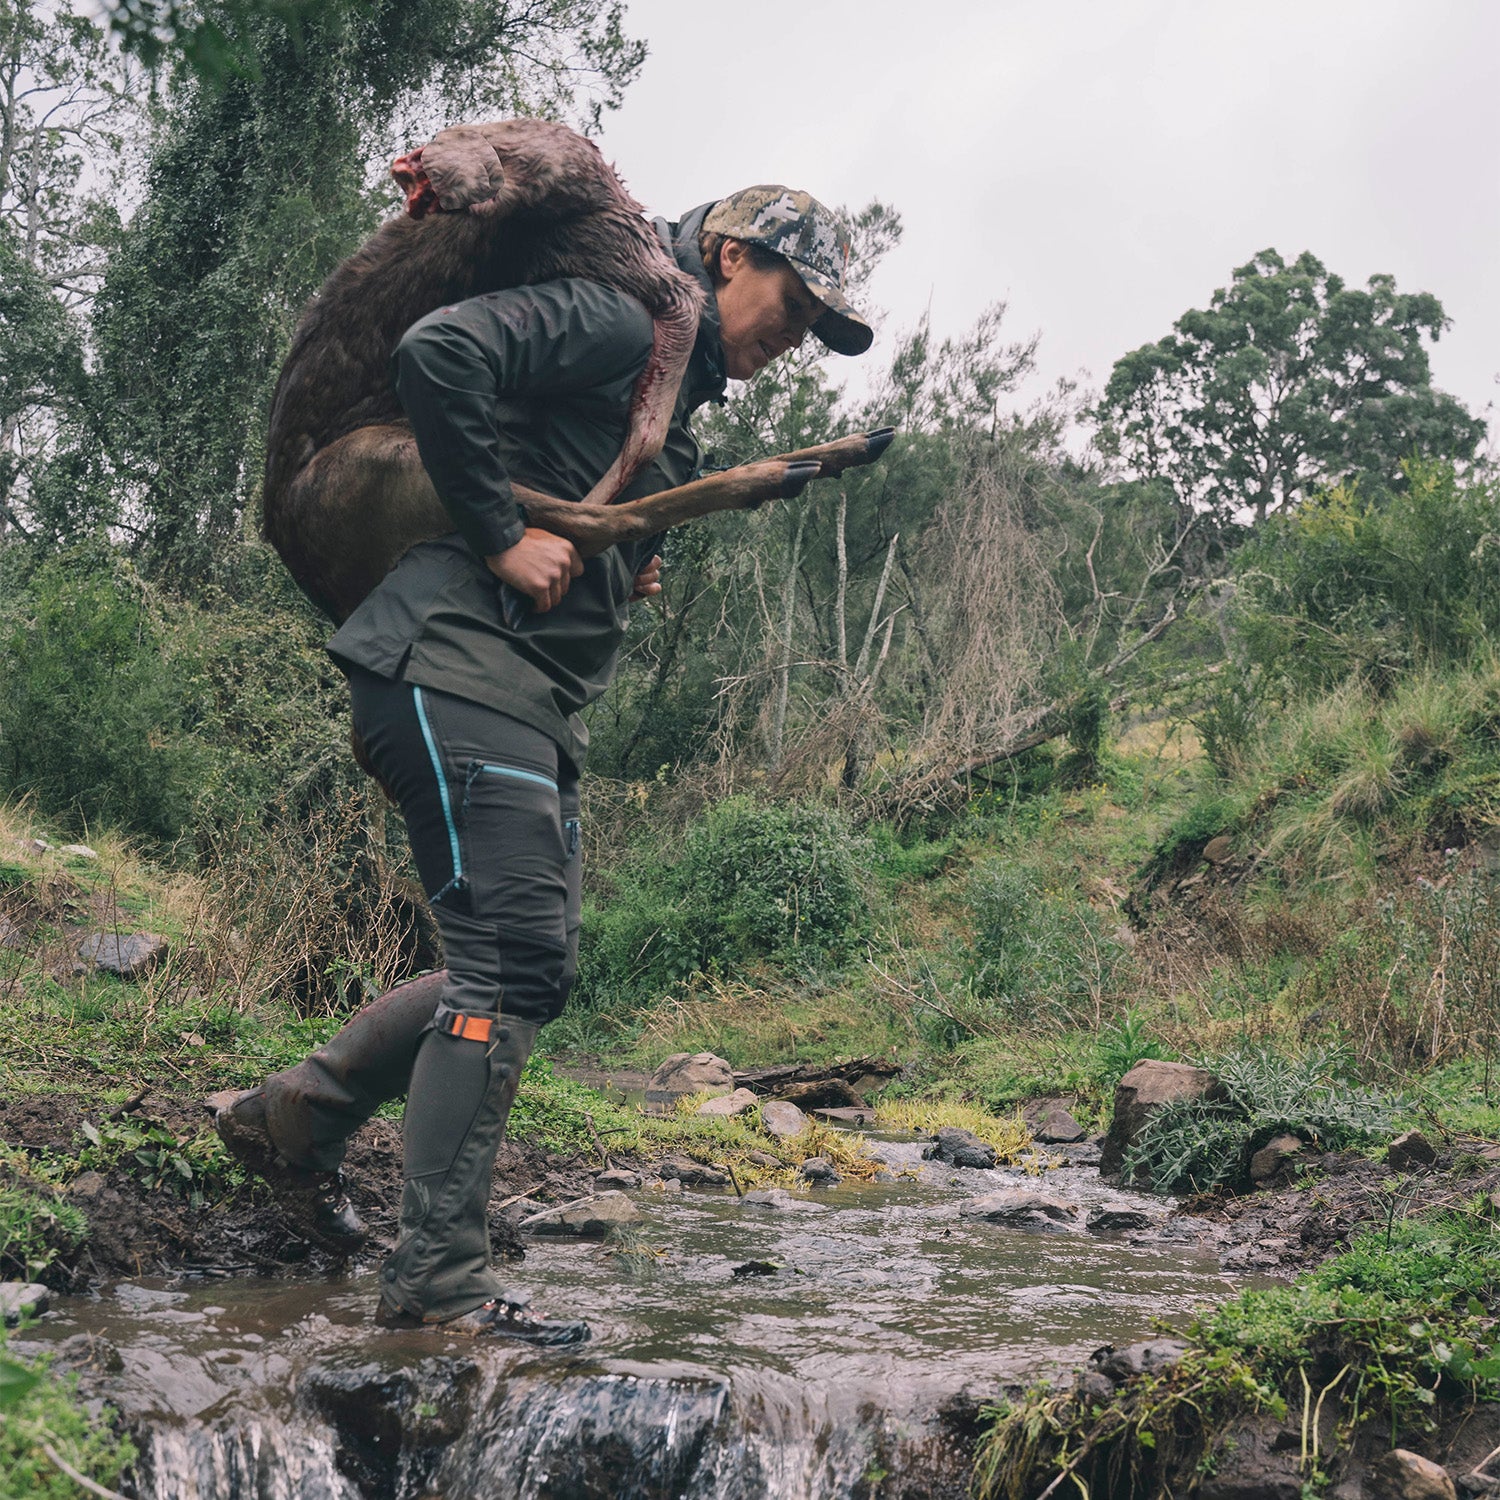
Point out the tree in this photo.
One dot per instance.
(1290, 380)
(259, 181)
(64, 107)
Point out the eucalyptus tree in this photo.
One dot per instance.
(1288, 381)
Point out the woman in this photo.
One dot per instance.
(469, 713)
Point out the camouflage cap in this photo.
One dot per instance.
(795, 225)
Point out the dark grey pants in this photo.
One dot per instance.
(491, 807)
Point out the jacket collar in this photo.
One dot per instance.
(705, 378)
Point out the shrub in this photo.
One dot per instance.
(1203, 1145)
(92, 715)
(764, 879)
(755, 881)
(1032, 951)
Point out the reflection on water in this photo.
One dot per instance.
(885, 1304)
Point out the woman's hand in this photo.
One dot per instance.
(648, 580)
(541, 566)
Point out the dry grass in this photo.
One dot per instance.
(1008, 1134)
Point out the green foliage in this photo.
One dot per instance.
(1325, 784)
(1201, 1145)
(38, 1408)
(197, 1167)
(93, 716)
(764, 879)
(755, 881)
(1378, 1335)
(1290, 379)
(1124, 1042)
(1353, 588)
(36, 1229)
(1036, 955)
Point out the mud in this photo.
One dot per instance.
(235, 1229)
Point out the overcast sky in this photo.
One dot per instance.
(1101, 165)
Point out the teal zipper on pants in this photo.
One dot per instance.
(442, 781)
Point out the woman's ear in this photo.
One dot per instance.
(733, 254)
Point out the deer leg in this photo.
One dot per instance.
(652, 401)
(851, 452)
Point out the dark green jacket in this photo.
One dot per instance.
(532, 384)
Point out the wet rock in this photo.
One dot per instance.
(822, 1093)
(1143, 1358)
(689, 1073)
(765, 1159)
(1404, 1475)
(756, 1268)
(1056, 1128)
(1116, 1220)
(671, 1186)
(1410, 1153)
(727, 1106)
(1094, 1385)
(392, 1426)
(1277, 1153)
(819, 1171)
(960, 1148)
(1016, 1208)
(589, 1218)
(1084, 1154)
(694, 1173)
(617, 1179)
(769, 1198)
(1140, 1093)
(781, 1119)
(131, 956)
(22, 1299)
(87, 1351)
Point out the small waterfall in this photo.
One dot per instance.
(364, 1432)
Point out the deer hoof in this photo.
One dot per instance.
(798, 476)
(878, 441)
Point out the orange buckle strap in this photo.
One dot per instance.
(469, 1028)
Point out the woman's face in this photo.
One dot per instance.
(763, 311)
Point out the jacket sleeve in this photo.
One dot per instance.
(452, 367)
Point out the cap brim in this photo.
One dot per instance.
(841, 328)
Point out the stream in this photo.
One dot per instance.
(850, 1364)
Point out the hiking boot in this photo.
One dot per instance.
(315, 1203)
(504, 1317)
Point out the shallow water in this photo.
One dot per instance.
(887, 1308)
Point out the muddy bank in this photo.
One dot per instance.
(234, 1228)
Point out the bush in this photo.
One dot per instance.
(1202, 1145)
(764, 880)
(755, 881)
(1034, 952)
(93, 715)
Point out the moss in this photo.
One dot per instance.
(39, 1410)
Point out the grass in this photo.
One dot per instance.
(40, 1411)
(1381, 1335)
